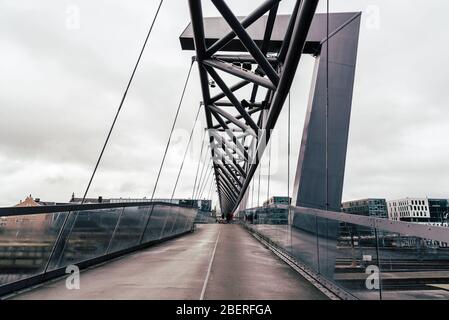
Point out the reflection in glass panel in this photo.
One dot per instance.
(155, 224)
(304, 245)
(355, 260)
(129, 228)
(413, 267)
(171, 229)
(180, 221)
(89, 237)
(170, 220)
(327, 246)
(25, 244)
(28, 243)
(343, 253)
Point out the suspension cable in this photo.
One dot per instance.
(206, 178)
(64, 223)
(199, 162)
(209, 193)
(206, 162)
(185, 153)
(269, 171)
(200, 180)
(204, 186)
(290, 218)
(252, 194)
(166, 150)
(258, 189)
(122, 101)
(288, 149)
(171, 131)
(327, 105)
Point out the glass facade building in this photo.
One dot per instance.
(373, 207)
(439, 210)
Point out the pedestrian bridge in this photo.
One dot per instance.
(307, 249)
(217, 261)
(156, 251)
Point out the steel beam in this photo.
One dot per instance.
(232, 98)
(319, 183)
(289, 36)
(231, 119)
(233, 88)
(249, 44)
(246, 75)
(300, 31)
(246, 22)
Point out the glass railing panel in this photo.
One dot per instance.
(178, 217)
(413, 267)
(57, 253)
(351, 259)
(89, 236)
(156, 223)
(170, 220)
(186, 217)
(304, 242)
(182, 217)
(263, 223)
(342, 253)
(32, 244)
(204, 217)
(189, 220)
(272, 223)
(25, 244)
(129, 228)
(278, 219)
(327, 237)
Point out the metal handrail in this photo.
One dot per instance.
(21, 211)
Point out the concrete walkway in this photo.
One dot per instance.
(215, 262)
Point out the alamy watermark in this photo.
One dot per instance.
(73, 17)
(372, 17)
(372, 282)
(73, 280)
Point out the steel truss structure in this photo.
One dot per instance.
(240, 128)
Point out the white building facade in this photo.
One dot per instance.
(409, 209)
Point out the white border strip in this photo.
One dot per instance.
(203, 291)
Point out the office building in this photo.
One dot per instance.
(409, 210)
(277, 200)
(373, 207)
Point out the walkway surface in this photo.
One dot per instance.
(217, 261)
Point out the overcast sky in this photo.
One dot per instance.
(64, 66)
